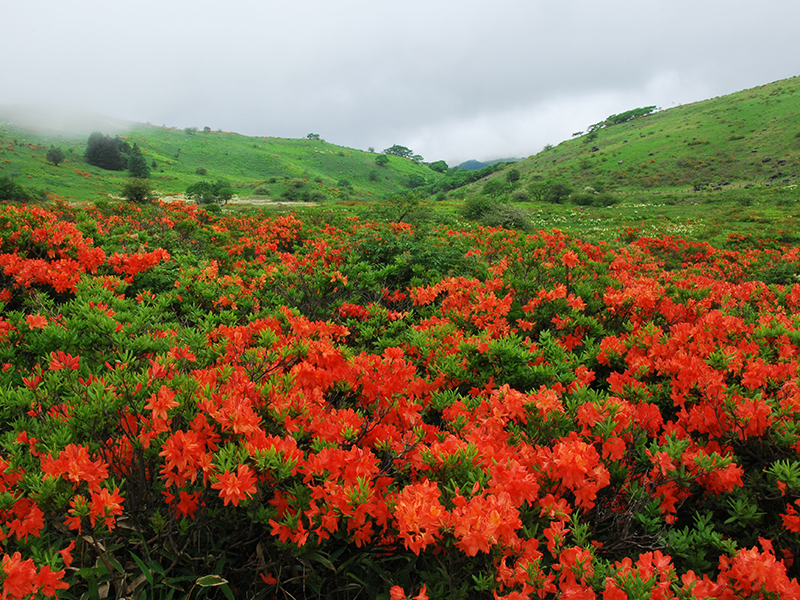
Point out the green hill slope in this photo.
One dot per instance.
(750, 137)
(272, 168)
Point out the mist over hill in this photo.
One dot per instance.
(60, 121)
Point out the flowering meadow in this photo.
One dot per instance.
(254, 406)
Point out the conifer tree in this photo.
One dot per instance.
(137, 165)
(55, 155)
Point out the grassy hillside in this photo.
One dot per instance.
(750, 137)
(254, 165)
(702, 171)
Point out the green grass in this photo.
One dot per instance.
(717, 141)
(249, 163)
(700, 171)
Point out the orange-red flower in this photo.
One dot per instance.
(233, 488)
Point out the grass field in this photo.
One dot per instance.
(750, 137)
(264, 165)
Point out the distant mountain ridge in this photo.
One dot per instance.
(475, 165)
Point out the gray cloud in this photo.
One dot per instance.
(452, 80)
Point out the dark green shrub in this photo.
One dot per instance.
(203, 192)
(477, 206)
(507, 216)
(10, 190)
(137, 190)
(557, 192)
(137, 165)
(520, 195)
(415, 180)
(494, 188)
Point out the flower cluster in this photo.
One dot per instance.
(251, 402)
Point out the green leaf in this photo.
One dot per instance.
(227, 591)
(145, 571)
(211, 581)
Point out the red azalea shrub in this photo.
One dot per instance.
(258, 407)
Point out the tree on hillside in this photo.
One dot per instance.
(513, 175)
(538, 188)
(313, 136)
(439, 166)
(137, 165)
(415, 180)
(398, 150)
(55, 155)
(381, 160)
(624, 117)
(106, 152)
(494, 188)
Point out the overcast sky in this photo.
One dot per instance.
(450, 79)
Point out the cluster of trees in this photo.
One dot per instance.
(495, 204)
(458, 177)
(623, 117)
(207, 192)
(297, 190)
(403, 152)
(115, 154)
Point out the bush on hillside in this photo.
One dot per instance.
(477, 206)
(494, 188)
(137, 190)
(204, 192)
(520, 195)
(11, 190)
(557, 192)
(297, 190)
(507, 216)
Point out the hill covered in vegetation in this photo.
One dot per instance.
(264, 167)
(749, 137)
